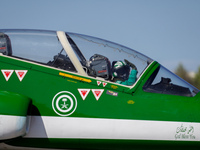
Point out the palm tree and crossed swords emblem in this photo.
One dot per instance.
(64, 105)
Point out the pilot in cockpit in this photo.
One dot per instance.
(119, 72)
(122, 74)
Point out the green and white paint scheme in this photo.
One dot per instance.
(57, 91)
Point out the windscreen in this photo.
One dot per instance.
(165, 82)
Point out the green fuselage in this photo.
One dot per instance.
(41, 84)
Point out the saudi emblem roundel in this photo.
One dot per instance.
(64, 103)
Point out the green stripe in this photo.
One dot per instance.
(105, 144)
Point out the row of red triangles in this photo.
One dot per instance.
(97, 93)
(20, 74)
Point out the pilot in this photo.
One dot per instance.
(122, 74)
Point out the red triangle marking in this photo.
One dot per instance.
(84, 92)
(98, 83)
(20, 74)
(104, 84)
(7, 73)
(97, 93)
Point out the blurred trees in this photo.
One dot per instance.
(197, 79)
(184, 74)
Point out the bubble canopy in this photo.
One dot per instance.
(114, 52)
(76, 53)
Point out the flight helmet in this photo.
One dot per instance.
(120, 70)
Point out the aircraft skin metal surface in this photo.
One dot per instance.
(58, 91)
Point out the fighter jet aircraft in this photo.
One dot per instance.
(65, 90)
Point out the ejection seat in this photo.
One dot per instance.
(5, 45)
(100, 66)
